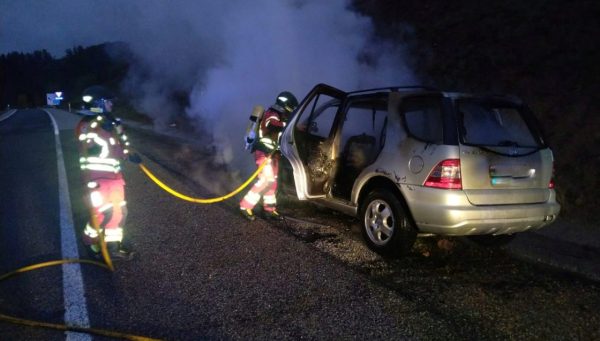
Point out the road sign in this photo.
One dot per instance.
(54, 98)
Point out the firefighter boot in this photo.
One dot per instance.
(273, 215)
(93, 251)
(118, 252)
(247, 213)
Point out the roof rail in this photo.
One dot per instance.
(395, 88)
(501, 96)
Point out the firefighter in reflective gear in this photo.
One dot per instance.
(271, 126)
(102, 147)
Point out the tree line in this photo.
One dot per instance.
(26, 78)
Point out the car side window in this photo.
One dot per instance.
(319, 121)
(363, 133)
(423, 118)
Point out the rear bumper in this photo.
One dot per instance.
(450, 213)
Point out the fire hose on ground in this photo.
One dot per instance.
(107, 265)
(108, 262)
(211, 200)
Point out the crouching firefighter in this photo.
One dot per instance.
(270, 126)
(102, 147)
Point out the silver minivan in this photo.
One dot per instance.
(411, 161)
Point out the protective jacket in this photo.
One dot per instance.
(102, 147)
(271, 127)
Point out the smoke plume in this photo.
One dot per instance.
(226, 56)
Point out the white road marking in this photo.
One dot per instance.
(76, 313)
(7, 115)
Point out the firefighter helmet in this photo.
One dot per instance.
(287, 101)
(96, 97)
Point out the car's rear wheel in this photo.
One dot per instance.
(385, 225)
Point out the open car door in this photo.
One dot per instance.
(308, 140)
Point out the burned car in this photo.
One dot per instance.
(409, 161)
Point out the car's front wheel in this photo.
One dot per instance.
(385, 225)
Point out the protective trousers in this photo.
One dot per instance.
(265, 186)
(108, 205)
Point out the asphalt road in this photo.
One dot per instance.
(203, 272)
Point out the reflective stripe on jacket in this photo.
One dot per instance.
(271, 127)
(101, 148)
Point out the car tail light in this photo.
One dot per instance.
(445, 174)
(551, 183)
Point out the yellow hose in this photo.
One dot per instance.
(103, 248)
(96, 331)
(37, 324)
(108, 262)
(205, 201)
(51, 263)
(108, 265)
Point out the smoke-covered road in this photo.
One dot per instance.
(203, 272)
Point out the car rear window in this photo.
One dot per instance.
(494, 124)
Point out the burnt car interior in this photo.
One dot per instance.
(362, 137)
(337, 145)
(314, 138)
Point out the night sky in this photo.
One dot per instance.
(229, 55)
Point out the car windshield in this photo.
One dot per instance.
(494, 124)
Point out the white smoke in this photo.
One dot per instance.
(227, 55)
(272, 46)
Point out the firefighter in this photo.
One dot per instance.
(271, 126)
(102, 147)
